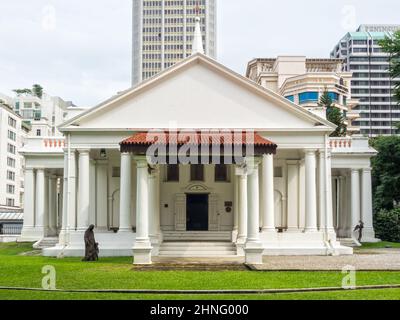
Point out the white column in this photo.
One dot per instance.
(253, 210)
(355, 198)
(242, 209)
(29, 204)
(311, 192)
(366, 209)
(321, 190)
(101, 198)
(60, 203)
(64, 217)
(335, 202)
(154, 206)
(72, 196)
(329, 202)
(84, 190)
(46, 219)
(236, 203)
(52, 207)
(253, 248)
(125, 224)
(40, 201)
(342, 211)
(267, 197)
(142, 247)
(293, 203)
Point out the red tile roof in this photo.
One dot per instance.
(210, 138)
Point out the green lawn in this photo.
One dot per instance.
(18, 270)
(380, 245)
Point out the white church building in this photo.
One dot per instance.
(298, 192)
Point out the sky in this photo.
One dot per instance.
(81, 50)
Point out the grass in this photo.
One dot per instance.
(387, 294)
(380, 245)
(17, 270)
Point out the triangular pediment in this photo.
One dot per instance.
(197, 93)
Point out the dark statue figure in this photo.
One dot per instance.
(359, 228)
(91, 246)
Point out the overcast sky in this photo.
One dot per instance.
(81, 50)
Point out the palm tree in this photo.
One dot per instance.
(37, 90)
(333, 114)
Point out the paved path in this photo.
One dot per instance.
(365, 259)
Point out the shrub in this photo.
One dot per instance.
(387, 225)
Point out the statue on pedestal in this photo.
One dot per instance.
(359, 228)
(91, 246)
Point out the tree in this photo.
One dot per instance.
(391, 45)
(20, 92)
(37, 90)
(334, 115)
(386, 172)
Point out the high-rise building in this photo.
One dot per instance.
(371, 83)
(23, 116)
(42, 114)
(11, 131)
(303, 81)
(163, 33)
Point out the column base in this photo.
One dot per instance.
(63, 238)
(369, 236)
(310, 230)
(240, 245)
(254, 253)
(234, 235)
(31, 234)
(155, 241)
(293, 230)
(268, 230)
(125, 230)
(142, 253)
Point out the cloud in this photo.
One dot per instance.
(81, 50)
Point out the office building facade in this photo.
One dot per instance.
(371, 83)
(163, 33)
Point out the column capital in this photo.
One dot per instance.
(367, 170)
(310, 151)
(141, 161)
(292, 162)
(355, 170)
(83, 151)
(102, 162)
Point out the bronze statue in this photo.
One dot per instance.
(91, 246)
(359, 228)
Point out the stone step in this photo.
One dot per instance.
(197, 236)
(199, 245)
(197, 254)
(46, 243)
(197, 249)
(349, 242)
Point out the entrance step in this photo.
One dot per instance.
(197, 235)
(349, 242)
(46, 243)
(197, 249)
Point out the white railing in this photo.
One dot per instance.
(43, 144)
(340, 143)
(54, 142)
(354, 144)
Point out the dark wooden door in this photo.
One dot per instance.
(197, 212)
